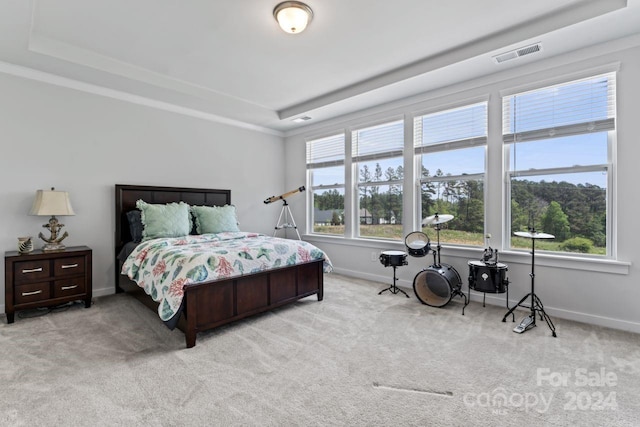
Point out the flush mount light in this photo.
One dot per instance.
(293, 16)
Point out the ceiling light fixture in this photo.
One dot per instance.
(293, 16)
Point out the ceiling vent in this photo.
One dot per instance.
(517, 53)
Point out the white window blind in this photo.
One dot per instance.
(580, 106)
(451, 129)
(378, 142)
(326, 152)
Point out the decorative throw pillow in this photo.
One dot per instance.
(215, 219)
(170, 220)
(135, 225)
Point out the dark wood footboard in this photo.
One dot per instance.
(212, 304)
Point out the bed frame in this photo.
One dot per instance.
(211, 304)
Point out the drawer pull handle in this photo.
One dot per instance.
(70, 266)
(66, 288)
(33, 270)
(26, 294)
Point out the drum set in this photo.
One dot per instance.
(439, 282)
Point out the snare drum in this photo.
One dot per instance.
(393, 258)
(489, 278)
(417, 244)
(436, 284)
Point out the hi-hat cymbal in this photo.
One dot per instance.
(534, 235)
(437, 219)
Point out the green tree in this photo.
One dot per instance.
(335, 218)
(556, 222)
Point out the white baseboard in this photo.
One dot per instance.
(499, 300)
(491, 299)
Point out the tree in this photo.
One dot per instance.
(365, 176)
(330, 199)
(556, 222)
(335, 218)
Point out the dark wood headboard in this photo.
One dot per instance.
(128, 195)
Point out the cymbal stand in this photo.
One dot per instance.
(438, 247)
(437, 264)
(535, 305)
(288, 221)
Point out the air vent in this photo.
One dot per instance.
(517, 53)
(301, 119)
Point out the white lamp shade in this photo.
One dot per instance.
(293, 16)
(51, 202)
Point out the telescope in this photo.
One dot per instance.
(283, 196)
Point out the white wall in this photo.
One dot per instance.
(85, 144)
(597, 292)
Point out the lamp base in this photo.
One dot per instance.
(51, 247)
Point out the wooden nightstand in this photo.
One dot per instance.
(44, 279)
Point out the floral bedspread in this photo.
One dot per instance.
(164, 266)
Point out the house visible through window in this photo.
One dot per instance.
(377, 152)
(450, 146)
(325, 169)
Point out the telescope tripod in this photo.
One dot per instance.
(287, 221)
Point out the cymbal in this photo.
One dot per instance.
(534, 235)
(437, 219)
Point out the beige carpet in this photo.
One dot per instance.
(356, 358)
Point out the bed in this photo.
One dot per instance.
(209, 304)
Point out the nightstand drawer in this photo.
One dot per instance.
(32, 292)
(31, 271)
(46, 279)
(68, 266)
(66, 287)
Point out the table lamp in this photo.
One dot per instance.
(51, 202)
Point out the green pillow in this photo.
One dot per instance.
(170, 220)
(215, 219)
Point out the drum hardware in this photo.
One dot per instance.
(394, 259)
(438, 283)
(437, 220)
(535, 305)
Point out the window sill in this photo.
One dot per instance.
(543, 259)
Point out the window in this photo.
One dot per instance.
(377, 152)
(450, 148)
(325, 176)
(559, 142)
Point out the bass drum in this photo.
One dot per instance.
(436, 284)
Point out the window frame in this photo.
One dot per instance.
(357, 159)
(449, 146)
(609, 125)
(313, 188)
